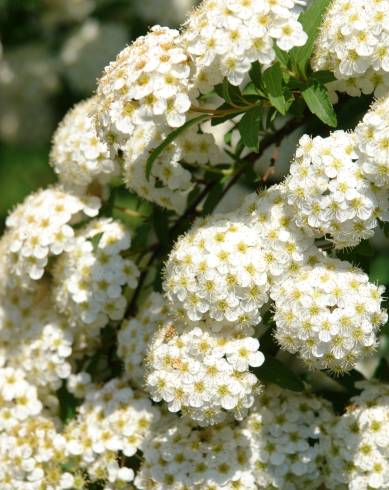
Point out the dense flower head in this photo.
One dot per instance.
(40, 227)
(169, 182)
(224, 37)
(91, 278)
(217, 271)
(372, 139)
(354, 45)
(34, 338)
(284, 429)
(112, 420)
(329, 314)
(32, 454)
(285, 247)
(356, 446)
(135, 335)
(19, 399)
(78, 156)
(149, 81)
(202, 373)
(328, 192)
(178, 455)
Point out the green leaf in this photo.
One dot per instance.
(249, 127)
(379, 270)
(382, 371)
(274, 371)
(256, 74)
(161, 225)
(230, 93)
(95, 240)
(214, 197)
(169, 139)
(311, 20)
(323, 76)
(273, 83)
(319, 103)
(282, 56)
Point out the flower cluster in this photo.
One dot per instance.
(372, 136)
(113, 419)
(329, 313)
(354, 45)
(329, 193)
(204, 374)
(90, 279)
(179, 455)
(356, 446)
(285, 430)
(78, 156)
(40, 228)
(217, 271)
(225, 37)
(32, 454)
(135, 335)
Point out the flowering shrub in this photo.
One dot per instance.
(157, 335)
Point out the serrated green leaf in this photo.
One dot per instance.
(230, 93)
(319, 103)
(249, 127)
(311, 20)
(169, 139)
(273, 84)
(274, 371)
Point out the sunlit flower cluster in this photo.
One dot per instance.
(356, 446)
(90, 279)
(372, 138)
(329, 314)
(329, 193)
(78, 156)
(225, 37)
(112, 420)
(203, 374)
(354, 45)
(284, 429)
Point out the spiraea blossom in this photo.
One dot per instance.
(202, 373)
(179, 455)
(329, 193)
(354, 45)
(149, 81)
(284, 429)
(218, 271)
(32, 454)
(112, 420)
(40, 228)
(329, 314)
(356, 446)
(372, 140)
(135, 335)
(78, 156)
(90, 280)
(225, 37)
(19, 399)
(169, 182)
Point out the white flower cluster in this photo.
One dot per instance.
(19, 399)
(354, 45)
(40, 228)
(178, 455)
(203, 373)
(356, 447)
(90, 279)
(373, 144)
(78, 156)
(112, 420)
(32, 455)
(284, 430)
(329, 193)
(135, 335)
(221, 270)
(224, 37)
(329, 313)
